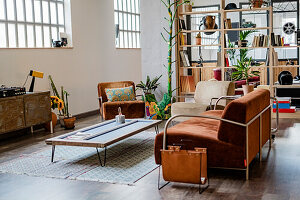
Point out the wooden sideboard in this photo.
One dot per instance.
(24, 111)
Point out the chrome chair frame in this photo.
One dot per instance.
(231, 122)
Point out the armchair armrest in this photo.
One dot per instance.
(222, 97)
(176, 97)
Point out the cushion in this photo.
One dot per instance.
(120, 94)
(186, 108)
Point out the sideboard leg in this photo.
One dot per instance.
(31, 129)
(53, 150)
(51, 127)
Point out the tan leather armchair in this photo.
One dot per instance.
(108, 110)
(205, 91)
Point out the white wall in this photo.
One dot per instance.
(94, 58)
(154, 48)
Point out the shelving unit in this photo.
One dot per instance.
(272, 69)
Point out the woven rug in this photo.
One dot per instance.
(127, 162)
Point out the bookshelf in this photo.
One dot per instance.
(271, 71)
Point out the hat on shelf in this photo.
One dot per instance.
(231, 6)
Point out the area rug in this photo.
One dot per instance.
(127, 162)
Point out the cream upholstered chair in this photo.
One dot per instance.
(205, 91)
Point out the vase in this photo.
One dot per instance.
(61, 120)
(198, 40)
(257, 3)
(69, 122)
(247, 89)
(54, 122)
(188, 8)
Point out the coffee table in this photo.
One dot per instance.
(103, 134)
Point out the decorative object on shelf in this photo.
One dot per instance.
(285, 78)
(242, 43)
(120, 119)
(231, 6)
(188, 6)
(243, 72)
(256, 3)
(208, 22)
(248, 24)
(198, 39)
(56, 43)
(227, 23)
(297, 37)
(289, 28)
(64, 42)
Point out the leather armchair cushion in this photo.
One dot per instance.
(131, 109)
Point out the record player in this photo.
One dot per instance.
(11, 91)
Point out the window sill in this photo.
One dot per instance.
(38, 48)
(127, 48)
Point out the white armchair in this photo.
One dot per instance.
(205, 91)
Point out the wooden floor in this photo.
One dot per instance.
(276, 177)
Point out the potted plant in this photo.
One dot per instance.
(68, 120)
(256, 3)
(198, 39)
(150, 85)
(188, 7)
(64, 112)
(243, 72)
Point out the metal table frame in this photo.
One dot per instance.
(85, 143)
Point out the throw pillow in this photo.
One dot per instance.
(120, 94)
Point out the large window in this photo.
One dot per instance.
(30, 23)
(127, 22)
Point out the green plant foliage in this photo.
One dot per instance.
(243, 70)
(150, 85)
(172, 7)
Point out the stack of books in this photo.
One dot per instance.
(277, 40)
(260, 41)
(284, 105)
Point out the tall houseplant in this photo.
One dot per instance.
(243, 72)
(64, 112)
(169, 37)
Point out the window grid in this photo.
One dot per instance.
(35, 7)
(127, 22)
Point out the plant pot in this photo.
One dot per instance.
(257, 3)
(61, 120)
(198, 40)
(69, 122)
(54, 122)
(247, 89)
(188, 8)
(242, 43)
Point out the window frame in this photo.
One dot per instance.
(135, 30)
(33, 23)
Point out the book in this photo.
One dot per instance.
(184, 58)
(182, 24)
(292, 109)
(273, 39)
(282, 105)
